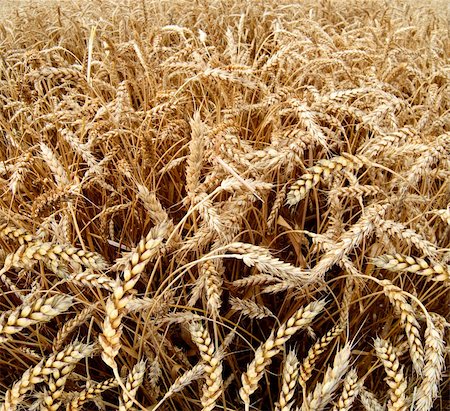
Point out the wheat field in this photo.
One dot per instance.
(224, 205)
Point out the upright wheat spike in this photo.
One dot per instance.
(212, 271)
(434, 363)
(289, 381)
(136, 261)
(396, 380)
(409, 322)
(351, 390)
(307, 366)
(59, 172)
(133, 382)
(195, 158)
(277, 204)
(54, 365)
(213, 368)
(273, 345)
(322, 394)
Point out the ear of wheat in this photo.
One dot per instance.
(273, 346)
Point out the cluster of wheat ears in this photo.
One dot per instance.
(228, 205)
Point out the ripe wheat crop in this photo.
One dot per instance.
(224, 205)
